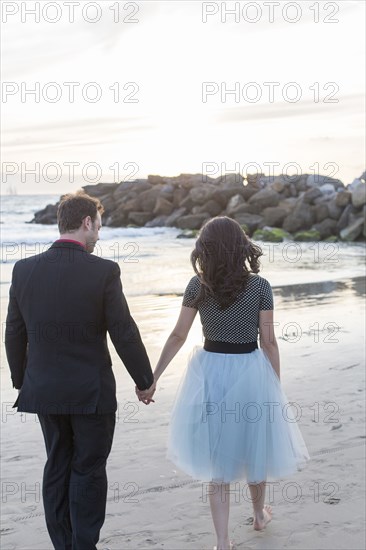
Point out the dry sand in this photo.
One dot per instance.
(151, 504)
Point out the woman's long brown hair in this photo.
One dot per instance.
(223, 258)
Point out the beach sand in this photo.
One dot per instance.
(151, 504)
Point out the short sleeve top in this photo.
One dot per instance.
(239, 323)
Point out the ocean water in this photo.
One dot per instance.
(154, 261)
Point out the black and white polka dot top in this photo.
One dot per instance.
(239, 322)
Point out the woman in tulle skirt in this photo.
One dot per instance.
(231, 420)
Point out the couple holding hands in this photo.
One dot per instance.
(227, 422)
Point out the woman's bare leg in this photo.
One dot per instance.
(262, 513)
(220, 506)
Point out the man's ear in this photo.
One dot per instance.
(87, 222)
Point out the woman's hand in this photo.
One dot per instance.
(146, 395)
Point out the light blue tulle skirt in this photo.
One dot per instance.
(231, 420)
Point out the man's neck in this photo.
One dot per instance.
(73, 238)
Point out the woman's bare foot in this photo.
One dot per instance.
(230, 547)
(260, 521)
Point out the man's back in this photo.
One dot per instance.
(62, 303)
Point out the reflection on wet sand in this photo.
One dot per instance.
(305, 293)
(322, 291)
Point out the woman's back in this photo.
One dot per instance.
(227, 422)
(239, 322)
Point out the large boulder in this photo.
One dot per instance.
(321, 212)
(295, 178)
(163, 207)
(352, 185)
(122, 198)
(233, 203)
(274, 215)
(256, 179)
(171, 221)
(359, 194)
(252, 221)
(311, 194)
(139, 218)
(137, 186)
(302, 217)
(245, 208)
(327, 189)
(288, 204)
(167, 191)
(211, 207)
(301, 184)
(226, 194)
(192, 221)
(159, 221)
(153, 180)
(352, 231)
(148, 198)
(265, 181)
(132, 204)
(250, 189)
(334, 210)
(292, 223)
(201, 195)
(101, 189)
(265, 197)
(118, 218)
(47, 216)
(196, 210)
(326, 228)
(279, 184)
(343, 198)
(316, 180)
(109, 204)
(291, 190)
(187, 181)
(228, 181)
(179, 195)
(187, 203)
(345, 217)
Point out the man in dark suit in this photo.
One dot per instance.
(62, 303)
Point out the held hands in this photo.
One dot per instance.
(146, 395)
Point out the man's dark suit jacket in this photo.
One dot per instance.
(62, 303)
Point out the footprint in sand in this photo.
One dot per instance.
(332, 500)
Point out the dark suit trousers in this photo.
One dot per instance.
(74, 479)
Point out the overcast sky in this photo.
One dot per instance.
(170, 63)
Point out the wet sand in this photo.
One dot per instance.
(151, 504)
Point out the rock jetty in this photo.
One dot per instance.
(304, 207)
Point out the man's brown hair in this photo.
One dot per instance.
(74, 207)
